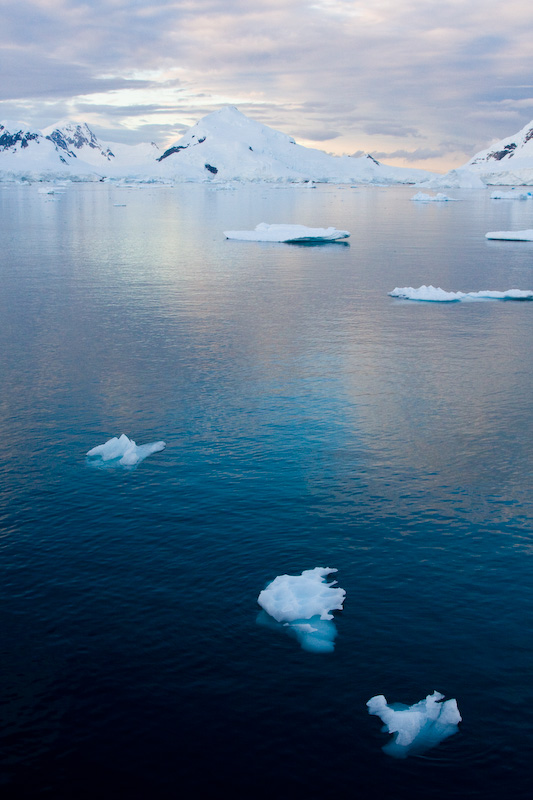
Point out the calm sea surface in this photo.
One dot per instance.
(310, 420)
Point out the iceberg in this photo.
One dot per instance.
(416, 728)
(460, 178)
(437, 295)
(125, 450)
(512, 195)
(422, 197)
(287, 233)
(511, 236)
(302, 604)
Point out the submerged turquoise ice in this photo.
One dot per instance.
(309, 419)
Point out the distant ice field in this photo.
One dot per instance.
(310, 420)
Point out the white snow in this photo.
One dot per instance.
(303, 605)
(422, 197)
(125, 449)
(287, 233)
(512, 195)
(511, 236)
(437, 295)
(419, 727)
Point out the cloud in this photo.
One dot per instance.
(391, 128)
(316, 135)
(420, 154)
(357, 72)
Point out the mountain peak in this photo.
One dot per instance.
(71, 136)
(520, 145)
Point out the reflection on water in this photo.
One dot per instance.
(309, 418)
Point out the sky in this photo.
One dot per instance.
(416, 83)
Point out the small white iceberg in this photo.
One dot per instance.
(436, 295)
(422, 197)
(512, 195)
(287, 233)
(416, 728)
(511, 236)
(125, 450)
(302, 605)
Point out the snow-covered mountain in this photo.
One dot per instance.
(223, 146)
(508, 162)
(227, 145)
(69, 150)
(28, 153)
(79, 141)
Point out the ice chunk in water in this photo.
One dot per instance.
(416, 728)
(302, 604)
(438, 295)
(125, 449)
(422, 197)
(512, 195)
(287, 233)
(511, 236)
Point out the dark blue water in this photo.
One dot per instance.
(310, 420)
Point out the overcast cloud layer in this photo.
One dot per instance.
(413, 82)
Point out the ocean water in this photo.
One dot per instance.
(310, 420)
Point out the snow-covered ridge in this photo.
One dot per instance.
(223, 146)
(518, 146)
(77, 140)
(69, 150)
(508, 162)
(227, 145)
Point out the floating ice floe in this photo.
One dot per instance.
(422, 197)
(125, 450)
(437, 295)
(416, 728)
(512, 195)
(511, 236)
(287, 233)
(302, 605)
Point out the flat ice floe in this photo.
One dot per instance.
(287, 233)
(302, 604)
(422, 197)
(124, 450)
(437, 295)
(416, 728)
(511, 236)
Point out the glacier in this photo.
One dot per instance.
(287, 233)
(302, 606)
(437, 295)
(124, 450)
(416, 728)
